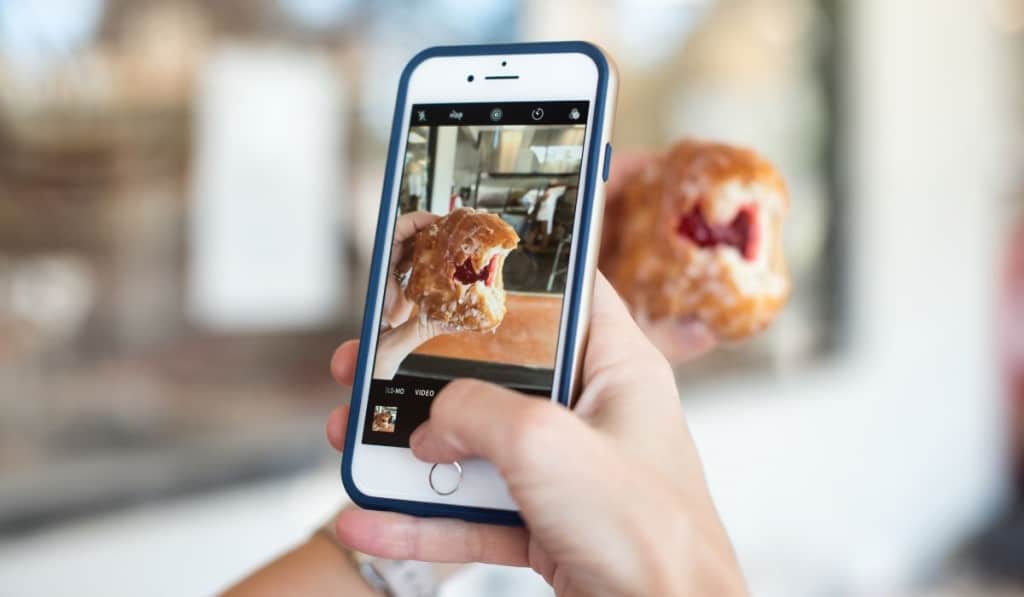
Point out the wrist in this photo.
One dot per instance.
(316, 568)
(686, 556)
(346, 579)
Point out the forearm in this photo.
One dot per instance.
(317, 568)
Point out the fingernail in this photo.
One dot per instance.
(416, 437)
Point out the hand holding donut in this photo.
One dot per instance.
(692, 242)
(400, 333)
(447, 269)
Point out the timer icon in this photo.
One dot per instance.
(537, 113)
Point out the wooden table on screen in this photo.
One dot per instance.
(527, 336)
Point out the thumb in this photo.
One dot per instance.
(515, 432)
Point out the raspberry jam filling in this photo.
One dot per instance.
(466, 275)
(741, 233)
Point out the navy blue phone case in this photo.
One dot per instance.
(485, 515)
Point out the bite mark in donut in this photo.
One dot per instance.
(697, 236)
(742, 233)
(456, 270)
(464, 274)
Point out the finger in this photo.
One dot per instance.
(681, 341)
(405, 231)
(614, 338)
(337, 423)
(624, 167)
(608, 309)
(620, 360)
(400, 537)
(411, 223)
(470, 418)
(343, 362)
(695, 338)
(397, 308)
(524, 438)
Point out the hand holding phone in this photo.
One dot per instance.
(613, 494)
(484, 259)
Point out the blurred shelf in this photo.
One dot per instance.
(198, 414)
(107, 479)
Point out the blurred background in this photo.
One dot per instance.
(187, 198)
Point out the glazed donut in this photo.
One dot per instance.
(455, 271)
(698, 235)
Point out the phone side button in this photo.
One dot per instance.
(444, 479)
(607, 161)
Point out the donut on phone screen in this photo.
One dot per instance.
(698, 235)
(455, 274)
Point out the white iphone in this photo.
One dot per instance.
(484, 259)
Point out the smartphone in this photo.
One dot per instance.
(520, 134)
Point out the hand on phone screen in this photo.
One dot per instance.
(397, 308)
(402, 333)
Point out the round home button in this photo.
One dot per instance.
(445, 478)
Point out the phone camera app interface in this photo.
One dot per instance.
(479, 258)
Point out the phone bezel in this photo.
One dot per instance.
(422, 81)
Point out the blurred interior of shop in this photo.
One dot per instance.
(527, 175)
(188, 194)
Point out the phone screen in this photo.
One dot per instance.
(479, 259)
